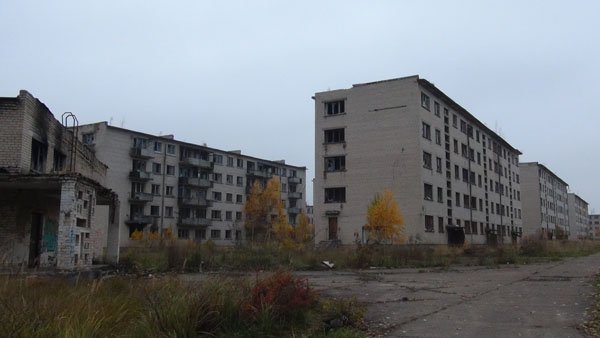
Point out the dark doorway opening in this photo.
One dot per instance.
(456, 236)
(35, 241)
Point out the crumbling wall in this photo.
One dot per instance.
(11, 130)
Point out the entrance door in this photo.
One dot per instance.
(35, 240)
(333, 228)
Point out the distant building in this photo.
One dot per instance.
(54, 208)
(453, 177)
(595, 226)
(579, 218)
(545, 201)
(195, 191)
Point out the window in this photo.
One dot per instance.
(157, 146)
(168, 211)
(425, 101)
(438, 137)
(454, 120)
(229, 179)
(456, 172)
(59, 161)
(229, 197)
(441, 225)
(463, 126)
(228, 216)
(335, 107)
(87, 138)
(457, 199)
(216, 196)
(218, 177)
(215, 214)
(336, 163)
(465, 175)
(38, 156)
(200, 234)
(440, 195)
(335, 135)
(436, 108)
(428, 191)
(230, 161)
(335, 195)
(238, 215)
(156, 168)
(169, 191)
(170, 170)
(227, 234)
(438, 164)
(154, 210)
(215, 234)
(426, 131)
(426, 160)
(239, 199)
(466, 201)
(218, 159)
(171, 149)
(240, 163)
(456, 146)
(183, 233)
(428, 223)
(156, 189)
(240, 181)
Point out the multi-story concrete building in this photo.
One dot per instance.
(594, 226)
(54, 208)
(579, 218)
(452, 176)
(545, 201)
(196, 191)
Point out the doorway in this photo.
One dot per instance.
(35, 240)
(333, 228)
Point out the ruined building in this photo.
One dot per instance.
(54, 208)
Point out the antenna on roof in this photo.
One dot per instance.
(122, 122)
(110, 121)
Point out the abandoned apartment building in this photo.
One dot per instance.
(54, 208)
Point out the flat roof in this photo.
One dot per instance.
(234, 153)
(545, 168)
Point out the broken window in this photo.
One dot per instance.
(426, 160)
(428, 223)
(428, 191)
(335, 163)
(87, 138)
(335, 195)
(425, 101)
(39, 151)
(335, 107)
(335, 135)
(59, 161)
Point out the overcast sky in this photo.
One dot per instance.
(240, 74)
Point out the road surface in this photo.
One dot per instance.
(538, 300)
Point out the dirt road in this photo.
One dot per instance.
(541, 300)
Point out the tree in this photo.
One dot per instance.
(259, 205)
(384, 220)
(304, 231)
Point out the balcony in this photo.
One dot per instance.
(141, 152)
(294, 180)
(195, 201)
(293, 210)
(195, 222)
(294, 195)
(140, 197)
(139, 219)
(196, 182)
(197, 162)
(138, 175)
(259, 173)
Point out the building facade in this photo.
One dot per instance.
(579, 218)
(195, 191)
(453, 178)
(545, 200)
(594, 225)
(54, 208)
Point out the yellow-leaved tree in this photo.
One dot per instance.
(304, 232)
(384, 220)
(258, 207)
